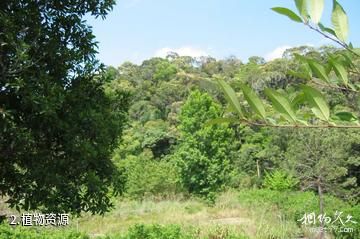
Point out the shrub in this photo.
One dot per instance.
(145, 176)
(353, 211)
(279, 180)
(293, 205)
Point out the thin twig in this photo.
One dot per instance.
(334, 86)
(344, 45)
(250, 123)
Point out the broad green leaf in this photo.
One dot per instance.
(281, 104)
(230, 96)
(298, 100)
(346, 116)
(316, 10)
(351, 86)
(287, 12)
(221, 121)
(302, 8)
(319, 70)
(340, 22)
(317, 102)
(327, 29)
(253, 100)
(300, 75)
(271, 120)
(348, 61)
(304, 122)
(340, 71)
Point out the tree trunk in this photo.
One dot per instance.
(321, 207)
(258, 168)
(3, 212)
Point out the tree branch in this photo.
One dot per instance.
(342, 44)
(250, 123)
(336, 87)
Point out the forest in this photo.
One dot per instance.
(176, 147)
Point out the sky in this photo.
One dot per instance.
(137, 30)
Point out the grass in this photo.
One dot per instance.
(227, 215)
(245, 214)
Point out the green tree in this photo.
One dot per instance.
(204, 156)
(57, 125)
(324, 161)
(257, 153)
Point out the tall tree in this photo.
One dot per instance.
(204, 155)
(57, 125)
(324, 161)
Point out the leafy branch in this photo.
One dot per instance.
(308, 97)
(337, 41)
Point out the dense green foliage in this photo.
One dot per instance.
(144, 176)
(293, 205)
(174, 143)
(326, 158)
(192, 127)
(175, 129)
(203, 155)
(57, 125)
(279, 180)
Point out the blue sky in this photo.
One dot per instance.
(140, 29)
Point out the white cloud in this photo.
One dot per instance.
(279, 51)
(182, 51)
(276, 53)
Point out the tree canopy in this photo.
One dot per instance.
(57, 125)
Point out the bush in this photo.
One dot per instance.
(354, 211)
(279, 180)
(293, 205)
(145, 176)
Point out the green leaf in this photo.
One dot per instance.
(348, 61)
(287, 12)
(300, 58)
(340, 71)
(271, 120)
(253, 100)
(316, 10)
(317, 102)
(300, 75)
(221, 121)
(281, 104)
(327, 29)
(340, 22)
(230, 96)
(319, 70)
(298, 100)
(346, 116)
(302, 8)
